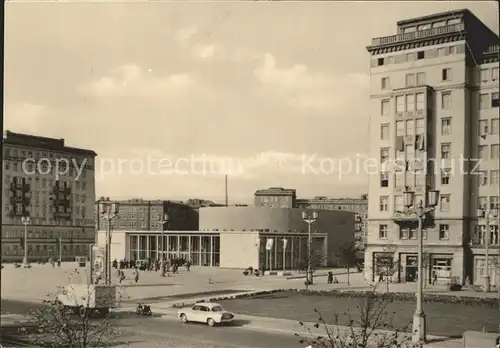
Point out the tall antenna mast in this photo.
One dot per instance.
(225, 188)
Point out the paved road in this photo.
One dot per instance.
(171, 333)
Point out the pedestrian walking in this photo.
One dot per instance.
(136, 275)
(122, 277)
(434, 278)
(330, 278)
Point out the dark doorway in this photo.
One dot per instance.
(411, 268)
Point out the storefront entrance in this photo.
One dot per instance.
(441, 269)
(411, 268)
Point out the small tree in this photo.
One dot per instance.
(348, 257)
(60, 326)
(315, 258)
(386, 265)
(370, 325)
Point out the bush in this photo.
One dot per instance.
(407, 297)
(245, 273)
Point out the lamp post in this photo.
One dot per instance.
(418, 211)
(109, 211)
(26, 220)
(309, 219)
(163, 220)
(488, 215)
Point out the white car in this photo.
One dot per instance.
(209, 313)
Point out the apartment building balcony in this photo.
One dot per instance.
(65, 215)
(16, 185)
(401, 218)
(418, 35)
(24, 200)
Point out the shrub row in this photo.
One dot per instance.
(407, 297)
(392, 296)
(229, 297)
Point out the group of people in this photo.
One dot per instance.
(331, 279)
(150, 265)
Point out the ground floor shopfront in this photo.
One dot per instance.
(400, 264)
(225, 249)
(46, 242)
(441, 265)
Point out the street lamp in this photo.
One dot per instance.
(418, 211)
(163, 220)
(109, 211)
(488, 215)
(26, 220)
(309, 219)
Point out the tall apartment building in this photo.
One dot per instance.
(358, 206)
(144, 215)
(275, 197)
(434, 101)
(54, 185)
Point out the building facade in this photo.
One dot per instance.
(434, 125)
(358, 206)
(146, 215)
(54, 185)
(239, 237)
(275, 197)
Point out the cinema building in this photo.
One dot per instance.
(239, 237)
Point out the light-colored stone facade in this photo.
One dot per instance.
(434, 96)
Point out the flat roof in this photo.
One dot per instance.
(434, 16)
(43, 143)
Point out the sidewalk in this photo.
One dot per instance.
(32, 285)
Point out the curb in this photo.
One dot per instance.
(191, 302)
(320, 275)
(278, 273)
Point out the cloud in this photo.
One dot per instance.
(133, 81)
(24, 117)
(304, 89)
(193, 173)
(183, 36)
(206, 51)
(150, 162)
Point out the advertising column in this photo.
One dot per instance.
(97, 264)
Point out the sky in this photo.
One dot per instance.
(173, 96)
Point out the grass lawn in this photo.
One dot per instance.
(442, 319)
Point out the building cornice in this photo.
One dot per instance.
(491, 55)
(423, 38)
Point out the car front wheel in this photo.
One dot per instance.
(184, 318)
(211, 322)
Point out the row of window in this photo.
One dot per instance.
(51, 234)
(446, 152)
(38, 183)
(37, 197)
(444, 203)
(444, 233)
(322, 206)
(415, 102)
(486, 127)
(414, 56)
(52, 156)
(45, 170)
(427, 26)
(486, 178)
(46, 250)
(419, 79)
(49, 221)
